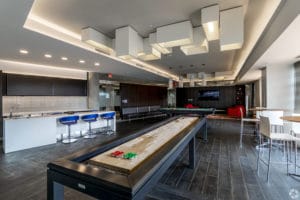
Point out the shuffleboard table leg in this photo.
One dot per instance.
(192, 162)
(205, 131)
(55, 191)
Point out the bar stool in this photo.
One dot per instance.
(90, 118)
(108, 117)
(243, 120)
(69, 120)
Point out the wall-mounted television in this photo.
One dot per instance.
(209, 95)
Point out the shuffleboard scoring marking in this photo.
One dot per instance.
(144, 146)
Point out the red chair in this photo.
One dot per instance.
(190, 106)
(235, 111)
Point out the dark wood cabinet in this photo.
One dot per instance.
(227, 96)
(240, 95)
(24, 85)
(142, 95)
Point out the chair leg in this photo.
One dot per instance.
(269, 161)
(296, 148)
(284, 148)
(257, 162)
(287, 159)
(241, 134)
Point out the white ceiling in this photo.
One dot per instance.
(106, 16)
(13, 37)
(284, 51)
(144, 16)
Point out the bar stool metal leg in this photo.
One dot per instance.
(241, 134)
(269, 161)
(90, 134)
(69, 139)
(258, 158)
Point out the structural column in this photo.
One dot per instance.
(93, 91)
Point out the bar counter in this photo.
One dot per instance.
(37, 129)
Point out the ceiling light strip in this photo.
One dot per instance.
(97, 40)
(154, 69)
(210, 22)
(231, 29)
(175, 34)
(199, 45)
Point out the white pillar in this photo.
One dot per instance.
(93, 91)
(170, 84)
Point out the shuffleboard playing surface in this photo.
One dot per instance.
(145, 146)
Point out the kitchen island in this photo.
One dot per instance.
(39, 129)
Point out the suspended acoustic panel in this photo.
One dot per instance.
(149, 53)
(154, 44)
(231, 29)
(199, 45)
(210, 22)
(175, 34)
(97, 40)
(128, 43)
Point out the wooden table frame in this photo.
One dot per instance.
(99, 183)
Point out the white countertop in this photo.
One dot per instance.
(28, 115)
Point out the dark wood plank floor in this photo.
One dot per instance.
(223, 170)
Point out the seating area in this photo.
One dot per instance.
(88, 118)
(275, 132)
(130, 113)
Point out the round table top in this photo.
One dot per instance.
(291, 118)
(265, 109)
(257, 109)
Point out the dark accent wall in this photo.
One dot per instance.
(24, 85)
(142, 95)
(229, 96)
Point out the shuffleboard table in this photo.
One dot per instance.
(183, 111)
(96, 172)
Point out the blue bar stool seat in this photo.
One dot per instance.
(69, 120)
(108, 117)
(90, 118)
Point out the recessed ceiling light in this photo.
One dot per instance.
(23, 51)
(48, 55)
(97, 64)
(82, 61)
(64, 58)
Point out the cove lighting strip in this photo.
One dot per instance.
(16, 67)
(50, 29)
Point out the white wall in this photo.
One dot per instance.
(280, 86)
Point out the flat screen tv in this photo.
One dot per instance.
(209, 95)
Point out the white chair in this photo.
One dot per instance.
(265, 130)
(275, 121)
(254, 120)
(295, 127)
